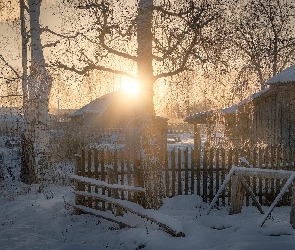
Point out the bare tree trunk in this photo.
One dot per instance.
(150, 150)
(28, 166)
(36, 90)
(144, 54)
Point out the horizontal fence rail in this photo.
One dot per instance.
(183, 172)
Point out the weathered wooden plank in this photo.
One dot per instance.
(223, 173)
(192, 171)
(122, 172)
(283, 190)
(217, 170)
(260, 156)
(205, 167)
(166, 174)
(173, 171)
(186, 171)
(248, 189)
(198, 169)
(211, 173)
(179, 179)
(230, 166)
(107, 185)
(166, 223)
(103, 214)
(103, 176)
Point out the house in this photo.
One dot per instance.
(266, 117)
(112, 110)
(116, 113)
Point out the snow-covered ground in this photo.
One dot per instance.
(33, 220)
(40, 221)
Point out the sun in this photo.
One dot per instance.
(130, 86)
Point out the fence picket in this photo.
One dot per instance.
(186, 171)
(211, 173)
(198, 168)
(103, 177)
(217, 170)
(179, 163)
(205, 166)
(192, 171)
(173, 171)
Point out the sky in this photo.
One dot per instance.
(10, 45)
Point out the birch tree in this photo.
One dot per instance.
(36, 86)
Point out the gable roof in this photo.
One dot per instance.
(98, 106)
(287, 75)
(229, 110)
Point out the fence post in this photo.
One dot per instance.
(237, 195)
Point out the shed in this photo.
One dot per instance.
(266, 117)
(117, 113)
(112, 110)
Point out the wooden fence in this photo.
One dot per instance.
(183, 172)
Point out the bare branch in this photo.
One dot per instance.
(91, 67)
(12, 95)
(51, 44)
(46, 29)
(9, 66)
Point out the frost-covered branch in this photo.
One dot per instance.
(91, 67)
(9, 66)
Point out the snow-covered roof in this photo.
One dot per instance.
(98, 106)
(229, 110)
(287, 75)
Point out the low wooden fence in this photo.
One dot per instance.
(183, 172)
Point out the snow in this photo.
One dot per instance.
(104, 184)
(287, 75)
(33, 220)
(98, 106)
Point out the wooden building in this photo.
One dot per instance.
(112, 110)
(117, 113)
(266, 117)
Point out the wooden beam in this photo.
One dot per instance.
(248, 189)
(149, 214)
(271, 208)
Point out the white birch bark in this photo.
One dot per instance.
(36, 90)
